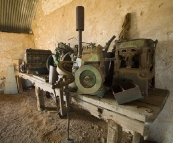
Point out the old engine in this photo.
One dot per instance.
(34, 61)
(135, 62)
(89, 77)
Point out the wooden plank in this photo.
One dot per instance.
(158, 92)
(156, 97)
(41, 84)
(129, 109)
(30, 77)
(124, 121)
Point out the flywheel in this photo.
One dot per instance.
(88, 79)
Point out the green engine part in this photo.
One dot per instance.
(92, 54)
(89, 80)
(62, 53)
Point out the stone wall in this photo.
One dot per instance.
(12, 46)
(103, 19)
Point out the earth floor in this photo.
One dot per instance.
(21, 122)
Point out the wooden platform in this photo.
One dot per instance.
(133, 116)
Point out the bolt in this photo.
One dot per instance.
(87, 79)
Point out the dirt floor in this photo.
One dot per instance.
(21, 122)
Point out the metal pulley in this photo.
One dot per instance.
(88, 79)
(65, 68)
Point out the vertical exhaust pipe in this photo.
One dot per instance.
(80, 27)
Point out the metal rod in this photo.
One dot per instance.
(68, 125)
(80, 26)
(80, 43)
(56, 100)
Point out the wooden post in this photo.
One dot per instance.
(114, 132)
(19, 84)
(40, 99)
(136, 138)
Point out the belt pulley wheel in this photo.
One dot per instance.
(88, 79)
(65, 68)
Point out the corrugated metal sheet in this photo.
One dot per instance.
(17, 15)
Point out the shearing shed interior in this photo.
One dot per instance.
(86, 71)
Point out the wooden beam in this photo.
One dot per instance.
(40, 99)
(136, 137)
(114, 132)
(19, 84)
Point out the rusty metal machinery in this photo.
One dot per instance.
(91, 73)
(63, 52)
(135, 62)
(94, 73)
(34, 61)
(65, 77)
(89, 78)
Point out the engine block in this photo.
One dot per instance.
(35, 61)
